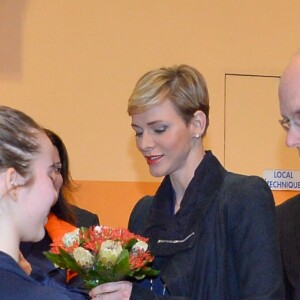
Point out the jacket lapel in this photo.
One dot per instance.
(169, 233)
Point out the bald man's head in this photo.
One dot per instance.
(289, 101)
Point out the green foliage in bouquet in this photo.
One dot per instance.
(102, 254)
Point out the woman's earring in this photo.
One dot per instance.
(197, 136)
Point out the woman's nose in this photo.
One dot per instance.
(145, 142)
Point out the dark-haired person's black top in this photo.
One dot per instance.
(43, 269)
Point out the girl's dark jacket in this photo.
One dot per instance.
(221, 244)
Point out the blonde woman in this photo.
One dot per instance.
(213, 233)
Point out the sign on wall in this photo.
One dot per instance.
(283, 179)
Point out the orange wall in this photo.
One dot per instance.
(113, 201)
(73, 64)
(281, 196)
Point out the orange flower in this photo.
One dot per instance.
(102, 254)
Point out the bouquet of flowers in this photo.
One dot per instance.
(102, 254)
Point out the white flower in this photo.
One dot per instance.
(140, 246)
(71, 238)
(99, 228)
(83, 257)
(109, 253)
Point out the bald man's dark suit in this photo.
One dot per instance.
(288, 214)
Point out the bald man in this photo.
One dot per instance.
(289, 212)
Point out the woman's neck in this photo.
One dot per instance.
(181, 179)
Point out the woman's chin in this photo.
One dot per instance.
(157, 174)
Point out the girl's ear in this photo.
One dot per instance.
(198, 123)
(13, 179)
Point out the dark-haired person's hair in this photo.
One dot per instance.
(63, 208)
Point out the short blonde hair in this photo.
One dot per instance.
(183, 85)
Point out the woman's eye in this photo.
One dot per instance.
(160, 130)
(138, 133)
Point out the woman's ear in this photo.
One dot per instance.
(198, 123)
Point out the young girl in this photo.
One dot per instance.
(29, 186)
(63, 216)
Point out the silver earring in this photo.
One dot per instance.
(197, 136)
